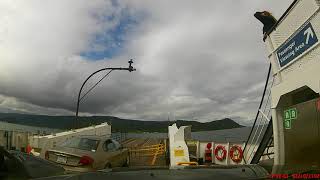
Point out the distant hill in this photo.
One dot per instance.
(118, 124)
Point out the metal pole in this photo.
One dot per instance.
(130, 69)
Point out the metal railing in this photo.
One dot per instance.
(148, 151)
(260, 125)
(157, 149)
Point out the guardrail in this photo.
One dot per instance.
(262, 124)
(148, 151)
(151, 150)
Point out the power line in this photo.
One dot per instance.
(95, 85)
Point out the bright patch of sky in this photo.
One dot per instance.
(194, 59)
(111, 42)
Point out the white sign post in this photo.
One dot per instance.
(178, 148)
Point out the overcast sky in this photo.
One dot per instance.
(202, 60)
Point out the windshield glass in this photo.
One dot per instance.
(81, 143)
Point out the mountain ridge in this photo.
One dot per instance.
(118, 124)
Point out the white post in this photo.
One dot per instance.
(177, 146)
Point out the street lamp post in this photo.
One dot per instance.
(130, 69)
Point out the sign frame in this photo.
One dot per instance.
(293, 36)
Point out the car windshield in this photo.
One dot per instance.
(81, 143)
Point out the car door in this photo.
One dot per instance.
(111, 154)
(101, 156)
(120, 156)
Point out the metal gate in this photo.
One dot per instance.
(151, 151)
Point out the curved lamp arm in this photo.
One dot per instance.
(130, 69)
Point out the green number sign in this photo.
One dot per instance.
(293, 113)
(289, 115)
(287, 124)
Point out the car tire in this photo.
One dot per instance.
(108, 166)
(127, 162)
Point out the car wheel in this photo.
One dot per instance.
(108, 166)
(127, 162)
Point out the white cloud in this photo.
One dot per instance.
(203, 58)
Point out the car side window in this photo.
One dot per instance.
(109, 146)
(117, 144)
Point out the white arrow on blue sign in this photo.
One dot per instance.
(302, 41)
(308, 33)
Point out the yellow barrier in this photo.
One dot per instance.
(152, 150)
(146, 149)
(188, 163)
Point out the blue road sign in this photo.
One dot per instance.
(298, 44)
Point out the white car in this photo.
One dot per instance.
(88, 153)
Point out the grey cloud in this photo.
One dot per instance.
(203, 60)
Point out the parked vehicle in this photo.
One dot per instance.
(88, 153)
